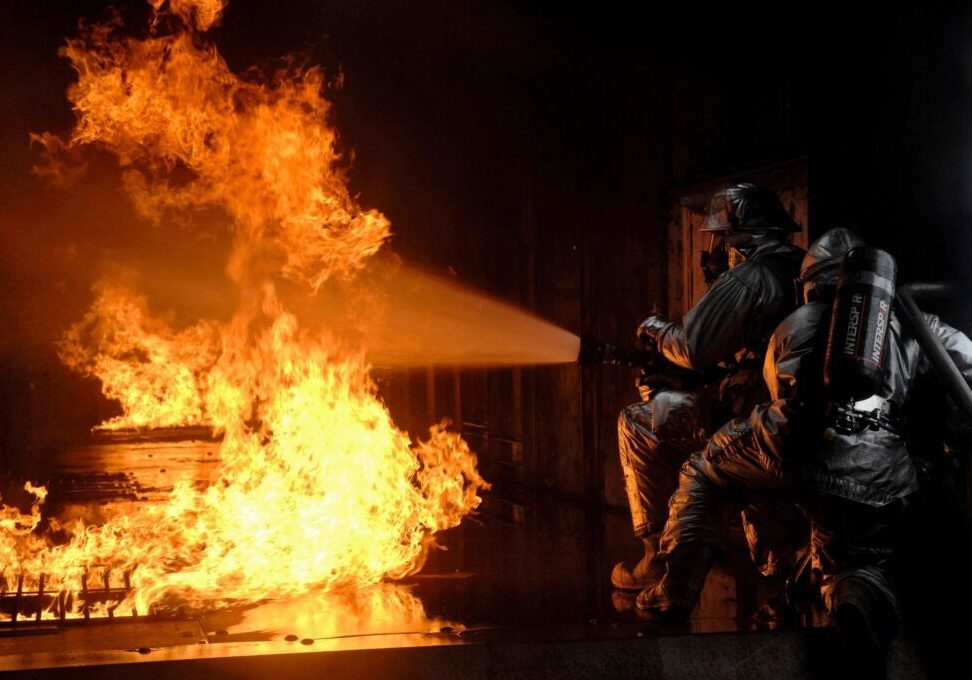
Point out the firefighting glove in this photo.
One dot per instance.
(650, 329)
(650, 383)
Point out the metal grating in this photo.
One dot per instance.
(19, 604)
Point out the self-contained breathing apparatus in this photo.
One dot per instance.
(857, 344)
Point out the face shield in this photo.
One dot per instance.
(715, 258)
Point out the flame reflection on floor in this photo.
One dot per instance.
(539, 562)
(529, 569)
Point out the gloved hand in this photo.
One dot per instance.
(649, 384)
(645, 387)
(650, 329)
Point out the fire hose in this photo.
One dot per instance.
(905, 303)
(945, 486)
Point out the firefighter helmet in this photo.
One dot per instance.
(747, 207)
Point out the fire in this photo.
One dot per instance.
(202, 14)
(317, 489)
(157, 375)
(382, 609)
(191, 134)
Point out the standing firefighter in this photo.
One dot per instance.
(730, 326)
(834, 446)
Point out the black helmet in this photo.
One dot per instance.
(821, 265)
(747, 207)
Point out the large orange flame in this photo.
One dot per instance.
(157, 375)
(317, 488)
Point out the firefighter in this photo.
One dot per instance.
(747, 225)
(845, 463)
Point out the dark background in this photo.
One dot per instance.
(529, 147)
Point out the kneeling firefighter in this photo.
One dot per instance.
(729, 326)
(839, 371)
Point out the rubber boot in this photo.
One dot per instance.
(676, 595)
(862, 617)
(774, 610)
(639, 576)
(864, 655)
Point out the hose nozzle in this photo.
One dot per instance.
(594, 352)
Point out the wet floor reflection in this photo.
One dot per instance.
(380, 610)
(547, 562)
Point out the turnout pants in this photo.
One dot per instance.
(655, 438)
(851, 542)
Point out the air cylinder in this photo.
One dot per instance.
(857, 345)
